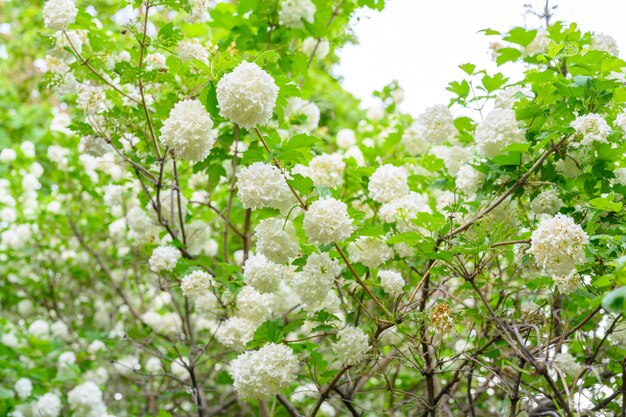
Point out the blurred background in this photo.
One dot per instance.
(421, 43)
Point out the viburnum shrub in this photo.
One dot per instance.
(196, 219)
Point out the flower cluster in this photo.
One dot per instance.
(294, 12)
(263, 185)
(558, 245)
(188, 131)
(264, 372)
(351, 346)
(327, 221)
(499, 130)
(247, 95)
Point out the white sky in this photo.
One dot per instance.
(420, 43)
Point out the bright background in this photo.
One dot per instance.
(421, 43)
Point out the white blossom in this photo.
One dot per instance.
(293, 12)
(23, 388)
(346, 138)
(558, 245)
(547, 202)
(196, 284)
(327, 221)
(319, 47)
(388, 183)
(191, 49)
(592, 127)
(414, 140)
(370, 251)
(263, 373)
(164, 258)
(437, 124)
(567, 364)
(391, 281)
(86, 400)
(263, 185)
(303, 115)
(351, 346)
(39, 329)
(316, 280)
(326, 170)
(469, 180)
(48, 405)
(606, 43)
(254, 306)
(91, 99)
(59, 14)
(235, 332)
(276, 239)
(499, 130)
(188, 131)
(247, 95)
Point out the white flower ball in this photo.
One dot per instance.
(293, 12)
(326, 170)
(351, 346)
(454, 157)
(254, 306)
(606, 43)
(316, 280)
(558, 245)
(437, 124)
(48, 405)
(261, 274)
(164, 258)
(593, 128)
(235, 332)
(187, 131)
(59, 14)
(8, 155)
(39, 329)
(414, 140)
(303, 115)
(191, 49)
(91, 99)
(327, 221)
(86, 399)
(499, 130)
(23, 388)
(263, 185)
(276, 239)
(403, 210)
(263, 373)
(391, 281)
(469, 180)
(247, 95)
(388, 183)
(547, 202)
(567, 364)
(539, 44)
(196, 284)
(346, 138)
(370, 251)
(319, 47)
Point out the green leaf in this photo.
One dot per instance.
(169, 35)
(208, 97)
(507, 55)
(615, 301)
(461, 89)
(270, 331)
(468, 68)
(521, 36)
(603, 203)
(493, 83)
